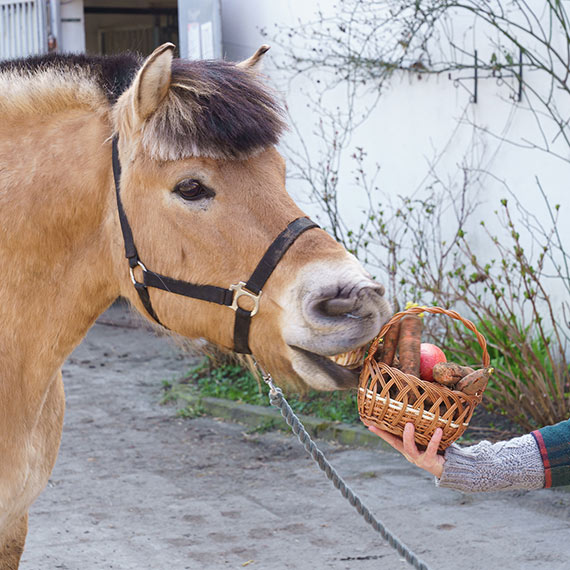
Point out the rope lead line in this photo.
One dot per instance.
(277, 399)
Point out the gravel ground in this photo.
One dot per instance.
(137, 488)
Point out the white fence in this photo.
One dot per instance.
(23, 28)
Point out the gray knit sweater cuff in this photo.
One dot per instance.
(506, 465)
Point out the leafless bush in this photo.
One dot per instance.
(423, 243)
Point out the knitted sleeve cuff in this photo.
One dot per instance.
(506, 465)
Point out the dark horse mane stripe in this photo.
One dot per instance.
(113, 74)
(212, 109)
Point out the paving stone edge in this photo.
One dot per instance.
(263, 418)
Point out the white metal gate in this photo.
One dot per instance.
(23, 28)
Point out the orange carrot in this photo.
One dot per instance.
(409, 344)
(390, 343)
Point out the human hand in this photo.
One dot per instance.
(429, 460)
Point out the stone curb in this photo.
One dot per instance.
(260, 418)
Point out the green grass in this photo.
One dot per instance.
(231, 381)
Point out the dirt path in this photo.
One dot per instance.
(137, 489)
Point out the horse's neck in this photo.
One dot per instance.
(54, 240)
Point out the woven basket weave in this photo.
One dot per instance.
(389, 399)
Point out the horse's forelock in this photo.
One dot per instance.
(213, 109)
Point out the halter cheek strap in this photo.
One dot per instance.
(211, 293)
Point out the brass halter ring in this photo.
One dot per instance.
(240, 290)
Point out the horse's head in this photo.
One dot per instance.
(203, 188)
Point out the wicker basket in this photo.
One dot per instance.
(389, 399)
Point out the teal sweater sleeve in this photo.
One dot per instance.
(554, 445)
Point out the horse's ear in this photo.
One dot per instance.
(254, 62)
(153, 80)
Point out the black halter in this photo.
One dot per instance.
(211, 293)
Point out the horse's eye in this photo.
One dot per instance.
(191, 189)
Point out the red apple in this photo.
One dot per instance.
(430, 355)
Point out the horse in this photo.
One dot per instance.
(176, 160)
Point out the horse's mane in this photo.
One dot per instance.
(212, 108)
(112, 74)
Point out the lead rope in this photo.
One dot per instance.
(277, 399)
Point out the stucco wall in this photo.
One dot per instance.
(418, 123)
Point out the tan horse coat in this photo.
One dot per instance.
(61, 251)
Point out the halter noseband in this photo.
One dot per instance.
(211, 293)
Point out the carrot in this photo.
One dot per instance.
(409, 345)
(390, 343)
(449, 373)
(475, 382)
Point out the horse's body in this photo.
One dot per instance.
(61, 248)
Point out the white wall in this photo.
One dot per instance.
(415, 122)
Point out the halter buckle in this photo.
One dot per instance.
(239, 291)
(133, 278)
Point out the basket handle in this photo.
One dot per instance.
(435, 310)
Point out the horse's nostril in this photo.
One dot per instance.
(358, 302)
(337, 306)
